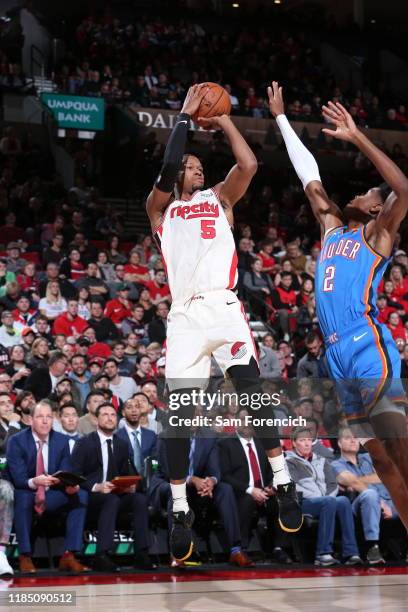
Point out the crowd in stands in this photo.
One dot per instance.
(152, 62)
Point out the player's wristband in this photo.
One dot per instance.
(173, 155)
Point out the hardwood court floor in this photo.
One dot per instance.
(264, 590)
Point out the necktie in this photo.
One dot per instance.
(137, 453)
(191, 457)
(111, 471)
(254, 467)
(39, 502)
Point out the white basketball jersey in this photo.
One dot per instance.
(197, 245)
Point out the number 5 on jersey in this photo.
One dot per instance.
(328, 281)
(208, 229)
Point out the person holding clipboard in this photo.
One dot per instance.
(102, 458)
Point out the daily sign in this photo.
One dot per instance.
(76, 112)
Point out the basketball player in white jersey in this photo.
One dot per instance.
(193, 226)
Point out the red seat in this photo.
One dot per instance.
(32, 256)
(126, 247)
(99, 244)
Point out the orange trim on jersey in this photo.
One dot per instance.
(370, 282)
(383, 358)
(250, 332)
(398, 400)
(369, 247)
(233, 270)
(383, 365)
(362, 416)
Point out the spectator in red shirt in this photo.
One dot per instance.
(158, 288)
(265, 254)
(144, 371)
(69, 323)
(28, 281)
(399, 281)
(72, 267)
(384, 310)
(391, 299)
(119, 308)
(306, 290)
(96, 349)
(395, 326)
(284, 301)
(134, 272)
(23, 313)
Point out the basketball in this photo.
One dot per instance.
(216, 102)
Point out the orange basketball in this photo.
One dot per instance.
(216, 102)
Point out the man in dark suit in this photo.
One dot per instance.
(245, 466)
(100, 457)
(42, 381)
(157, 329)
(8, 421)
(204, 489)
(140, 440)
(32, 455)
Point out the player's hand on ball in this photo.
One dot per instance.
(213, 123)
(336, 114)
(276, 105)
(193, 98)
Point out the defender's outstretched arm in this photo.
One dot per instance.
(324, 209)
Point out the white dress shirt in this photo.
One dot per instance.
(44, 454)
(71, 441)
(54, 381)
(245, 443)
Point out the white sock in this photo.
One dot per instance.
(281, 474)
(179, 494)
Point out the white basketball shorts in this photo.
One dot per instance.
(210, 323)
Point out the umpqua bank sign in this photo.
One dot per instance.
(76, 112)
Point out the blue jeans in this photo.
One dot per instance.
(368, 503)
(326, 509)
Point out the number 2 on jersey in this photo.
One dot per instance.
(328, 281)
(208, 229)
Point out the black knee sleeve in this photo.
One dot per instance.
(247, 382)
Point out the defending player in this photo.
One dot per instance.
(356, 248)
(193, 228)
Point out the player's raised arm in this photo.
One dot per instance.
(160, 195)
(396, 205)
(239, 177)
(324, 209)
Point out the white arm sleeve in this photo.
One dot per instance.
(302, 160)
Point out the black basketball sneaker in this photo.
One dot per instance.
(290, 512)
(181, 537)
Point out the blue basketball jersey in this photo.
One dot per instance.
(347, 276)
